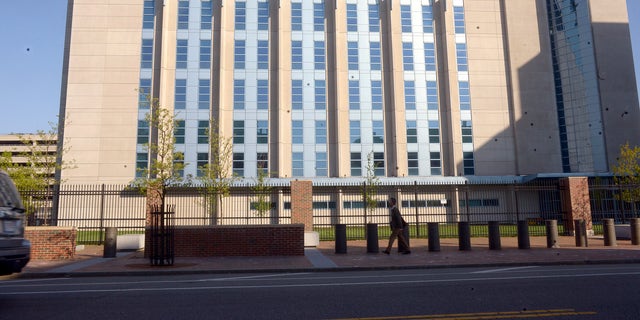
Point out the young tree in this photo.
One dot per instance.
(165, 165)
(627, 174)
(370, 187)
(262, 193)
(217, 175)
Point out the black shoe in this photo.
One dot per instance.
(407, 252)
(386, 252)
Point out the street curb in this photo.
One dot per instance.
(42, 275)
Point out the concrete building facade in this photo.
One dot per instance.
(316, 88)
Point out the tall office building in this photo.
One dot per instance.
(317, 88)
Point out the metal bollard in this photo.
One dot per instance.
(635, 231)
(494, 235)
(405, 233)
(523, 235)
(464, 236)
(580, 228)
(341, 238)
(110, 242)
(552, 233)
(609, 229)
(434, 236)
(372, 238)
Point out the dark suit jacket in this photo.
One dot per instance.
(396, 219)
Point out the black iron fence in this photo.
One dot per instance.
(93, 208)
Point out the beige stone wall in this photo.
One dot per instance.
(101, 97)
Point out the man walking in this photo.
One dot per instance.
(397, 225)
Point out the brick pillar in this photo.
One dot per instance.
(576, 203)
(302, 210)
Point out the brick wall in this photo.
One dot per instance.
(252, 240)
(302, 203)
(575, 202)
(51, 243)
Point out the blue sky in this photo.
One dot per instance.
(31, 61)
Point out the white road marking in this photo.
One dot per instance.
(504, 269)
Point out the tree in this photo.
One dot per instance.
(627, 174)
(263, 194)
(34, 174)
(165, 165)
(370, 187)
(217, 175)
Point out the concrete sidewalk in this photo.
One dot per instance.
(89, 261)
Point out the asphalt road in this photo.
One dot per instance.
(535, 292)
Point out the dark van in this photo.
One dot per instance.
(15, 250)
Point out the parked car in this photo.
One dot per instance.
(15, 250)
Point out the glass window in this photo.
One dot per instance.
(378, 163)
(465, 103)
(146, 59)
(149, 14)
(429, 56)
(297, 164)
(468, 163)
(354, 94)
(238, 164)
(263, 15)
(296, 95)
(434, 132)
(412, 132)
(142, 164)
(378, 132)
(205, 54)
(263, 55)
(405, 18)
(352, 55)
(436, 165)
(179, 132)
(203, 160)
(320, 95)
(321, 132)
(432, 95)
(458, 19)
(461, 52)
(318, 54)
(263, 132)
(263, 162)
(240, 54)
(183, 14)
(410, 95)
(144, 93)
(407, 56)
(238, 94)
(374, 52)
(238, 132)
(206, 12)
(356, 164)
(143, 132)
(204, 93)
(318, 16)
(374, 17)
(321, 164)
(352, 17)
(296, 55)
(296, 16)
(182, 48)
(203, 132)
(181, 94)
(467, 132)
(412, 164)
(427, 19)
(354, 131)
(263, 94)
(297, 132)
(376, 95)
(241, 15)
